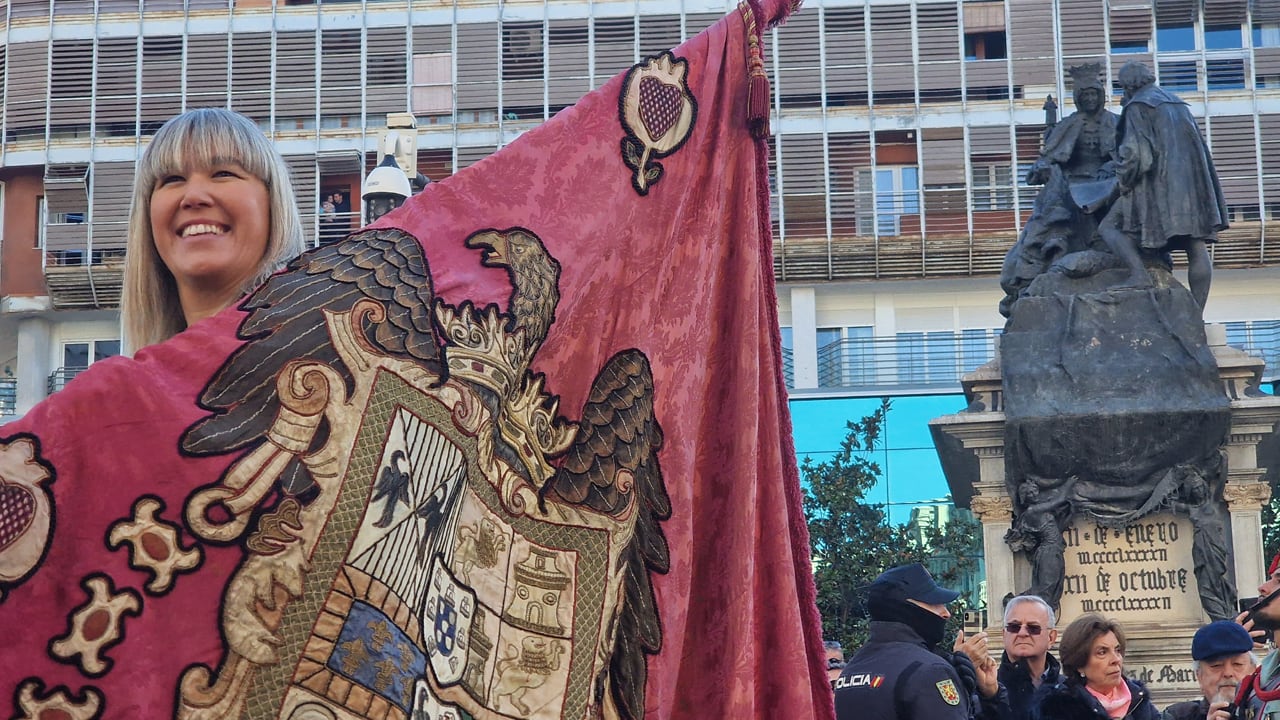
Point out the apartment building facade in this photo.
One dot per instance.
(903, 129)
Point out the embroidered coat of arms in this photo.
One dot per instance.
(411, 549)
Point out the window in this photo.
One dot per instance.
(41, 219)
(992, 186)
(78, 356)
(1249, 212)
(927, 357)
(1223, 37)
(977, 346)
(985, 46)
(828, 336)
(1176, 38)
(846, 357)
(1266, 35)
(1120, 47)
(896, 193)
(1259, 338)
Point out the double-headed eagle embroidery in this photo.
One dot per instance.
(424, 535)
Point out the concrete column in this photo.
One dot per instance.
(804, 337)
(34, 336)
(886, 326)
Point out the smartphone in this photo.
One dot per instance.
(1251, 604)
(973, 623)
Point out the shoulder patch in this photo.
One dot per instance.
(947, 689)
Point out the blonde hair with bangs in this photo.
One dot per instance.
(200, 138)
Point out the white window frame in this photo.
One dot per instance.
(880, 210)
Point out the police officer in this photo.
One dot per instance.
(900, 674)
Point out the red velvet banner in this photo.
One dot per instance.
(519, 451)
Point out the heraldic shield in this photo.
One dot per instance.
(425, 537)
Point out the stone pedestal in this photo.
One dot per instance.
(971, 446)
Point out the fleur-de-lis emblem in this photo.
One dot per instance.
(657, 111)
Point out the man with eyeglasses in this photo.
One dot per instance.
(1027, 663)
(902, 672)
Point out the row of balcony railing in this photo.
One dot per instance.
(933, 361)
(59, 378)
(8, 396)
(936, 361)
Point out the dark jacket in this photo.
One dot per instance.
(1016, 679)
(1070, 701)
(1199, 709)
(1189, 710)
(895, 677)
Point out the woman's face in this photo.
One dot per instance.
(211, 227)
(1105, 669)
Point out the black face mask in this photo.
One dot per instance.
(928, 625)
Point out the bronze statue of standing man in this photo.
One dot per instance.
(1169, 195)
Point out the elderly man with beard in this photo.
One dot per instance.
(1223, 655)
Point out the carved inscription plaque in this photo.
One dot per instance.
(1138, 574)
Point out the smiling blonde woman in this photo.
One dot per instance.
(213, 215)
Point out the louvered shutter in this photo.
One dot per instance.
(893, 67)
(251, 74)
(26, 102)
(1031, 43)
(940, 52)
(387, 86)
(478, 56)
(798, 65)
(802, 181)
(112, 184)
(615, 47)
(567, 62)
(207, 80)
(161, 77)
(848, 152)
(296, 71)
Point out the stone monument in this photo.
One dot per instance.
(1110, 448)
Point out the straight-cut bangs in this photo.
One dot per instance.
(201, 139)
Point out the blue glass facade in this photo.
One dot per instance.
(911, 475)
